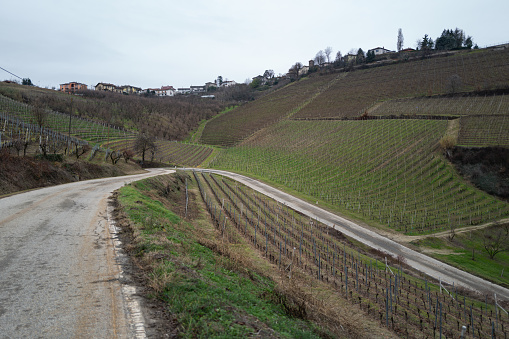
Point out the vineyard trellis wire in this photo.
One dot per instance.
(389, 171)
(18, 120)
(409, 305)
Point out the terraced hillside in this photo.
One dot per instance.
(170, 118)
(230, 128)
(461, 72)
(453, 106)
(352, 94)
(84, 129)
(483, 120)
(19, 127)
(390, 172)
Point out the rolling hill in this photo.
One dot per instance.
(374, 143)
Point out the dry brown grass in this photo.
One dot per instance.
(300, 295)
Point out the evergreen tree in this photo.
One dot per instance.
(400, 40)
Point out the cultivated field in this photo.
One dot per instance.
(169, 152)
(461, 72)
(443, 106)
(352, 94)
(411, 306)
(18, 124)
(390, 172)
(23, 116)
(483, 131)
(230, 128)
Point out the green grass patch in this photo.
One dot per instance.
(142, 209)
(468, 254)
(210, 295)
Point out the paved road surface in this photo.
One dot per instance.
(419, 261)
(58, 273)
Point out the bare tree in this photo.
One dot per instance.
(80, 150)
(40, 114)
(319, 57)
(295, 70)
(26, 143)
(400, 40)
(328, 52)
(115, 157)
(17, 144)
(454, 84)
(128, 155)
(496, 240)
(452, 232)
(143, 144)
(339, 59)
(268, 74)
(339, 56)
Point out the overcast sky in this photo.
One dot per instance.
(181, 43)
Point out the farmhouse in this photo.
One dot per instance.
(380, 50)
(125, 89)
(72, 87)
(228, 83)
(102, 86)
(165, 91)
(128, 89)
(304, 70)
(350, 58)
(184, 90)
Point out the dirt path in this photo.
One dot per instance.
(402, 238)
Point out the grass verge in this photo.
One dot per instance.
(210, 292)
(467, 252)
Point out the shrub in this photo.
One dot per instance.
(51, 157)
(448, 142)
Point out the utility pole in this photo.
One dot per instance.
(69, 140)
(70, 117)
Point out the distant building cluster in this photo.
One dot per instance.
(164, 91)
(126, 89)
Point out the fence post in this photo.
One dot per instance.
(463, 331)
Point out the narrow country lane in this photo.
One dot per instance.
(58, 273)
(419, 261)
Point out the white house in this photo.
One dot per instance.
(380, 50)
(228, 83)
(166, 91)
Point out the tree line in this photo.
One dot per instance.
(450, 39)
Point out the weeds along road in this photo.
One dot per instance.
(59, 277)
(419, 261)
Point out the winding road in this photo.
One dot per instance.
(59, 272)
(416, 260)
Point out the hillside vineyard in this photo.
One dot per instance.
(369, 141)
